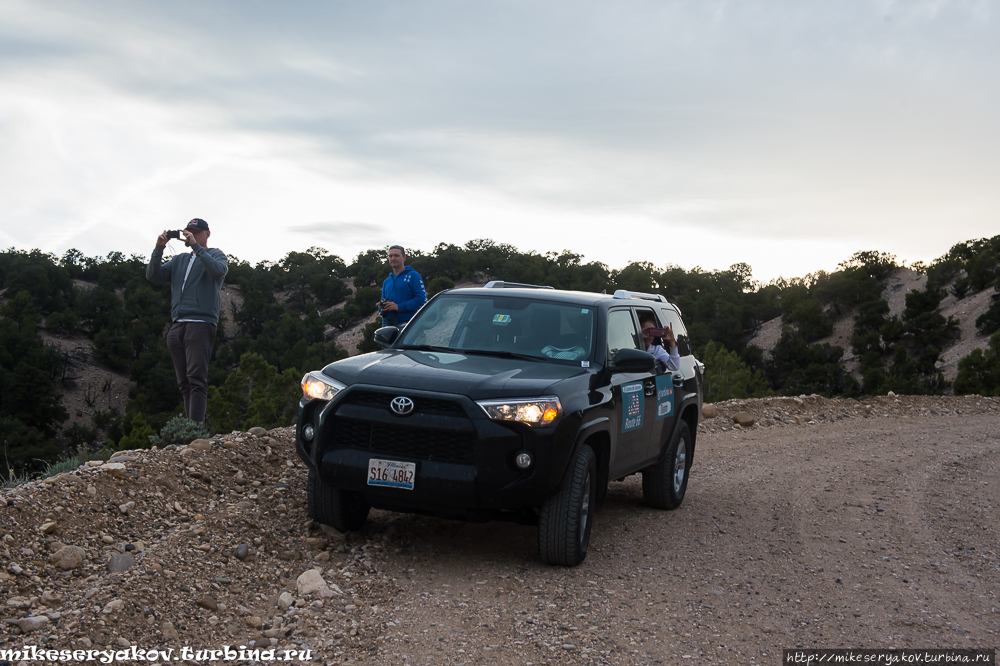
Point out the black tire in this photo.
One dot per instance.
(664, 484)
(341, 509)
(565, 520)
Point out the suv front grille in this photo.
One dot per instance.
(421, 405)
(407, 441)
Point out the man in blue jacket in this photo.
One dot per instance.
(195, 281)
(402, 292)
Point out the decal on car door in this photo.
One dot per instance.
(633, 403)
(664, 396)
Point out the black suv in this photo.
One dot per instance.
(508, 402)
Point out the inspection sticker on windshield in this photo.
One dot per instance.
(501, 319)
(391, 473)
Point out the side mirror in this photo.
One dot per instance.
(386, 335)
(633, 360)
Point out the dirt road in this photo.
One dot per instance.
(867, 533)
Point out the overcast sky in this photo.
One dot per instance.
(787, 135)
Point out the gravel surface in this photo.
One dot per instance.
(826, 524)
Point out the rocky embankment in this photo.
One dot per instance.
(815, 410)
(204, 545)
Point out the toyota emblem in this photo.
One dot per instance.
(401, 405)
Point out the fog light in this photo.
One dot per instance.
(308, 432)
(523, 460)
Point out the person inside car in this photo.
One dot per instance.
(654, 345)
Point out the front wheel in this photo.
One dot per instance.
(343, 510)
(565, 520)
(664, 484)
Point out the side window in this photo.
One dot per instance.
(671, 317)
(621, 333)
(646, 315)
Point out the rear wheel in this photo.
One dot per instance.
(343, 510)
(664, 484)
(565, 520)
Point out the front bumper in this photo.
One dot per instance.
(464, 460)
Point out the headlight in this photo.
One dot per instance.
(317, 386)
(532, 411)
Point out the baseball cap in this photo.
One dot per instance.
(197, 224)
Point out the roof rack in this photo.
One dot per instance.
(621, 293)
(500, 284)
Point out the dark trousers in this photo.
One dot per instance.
(190, 344)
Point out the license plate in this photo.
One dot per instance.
(391, 473)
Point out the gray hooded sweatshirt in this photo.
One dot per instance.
(196, 299)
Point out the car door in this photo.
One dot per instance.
(663, 397)
(632, 393)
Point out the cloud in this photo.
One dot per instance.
(346, 233)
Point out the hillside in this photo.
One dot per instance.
(896, 285)
(84, 336)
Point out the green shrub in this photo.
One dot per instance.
(139, 436)
(254, 394)
(368, 343)
(363, 303)
(439, 284)
(179, 430)
(989, 321)
(728, 377)
(979, 372)
(84, 452)
(65, 321)
(67, 465)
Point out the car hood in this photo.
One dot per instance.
(478, 377)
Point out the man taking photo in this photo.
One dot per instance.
(195, 281)
(402, 292)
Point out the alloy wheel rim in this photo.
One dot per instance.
(585, 508)
(680, 465)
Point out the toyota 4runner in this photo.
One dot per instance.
(506, 402)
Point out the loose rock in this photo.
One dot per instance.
(200, 445)
(114, 606)
(208, 603)
(119, 563)
(34, 623)
(168, 631)
(309, 582)
(116, 470)
(67, 558)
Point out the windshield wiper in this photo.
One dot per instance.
(431, 348)
(503, 354)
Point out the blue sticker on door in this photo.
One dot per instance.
(664, 396)
(633, 404)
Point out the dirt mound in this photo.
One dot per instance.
(185, 547)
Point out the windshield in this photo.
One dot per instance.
(503, 326)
